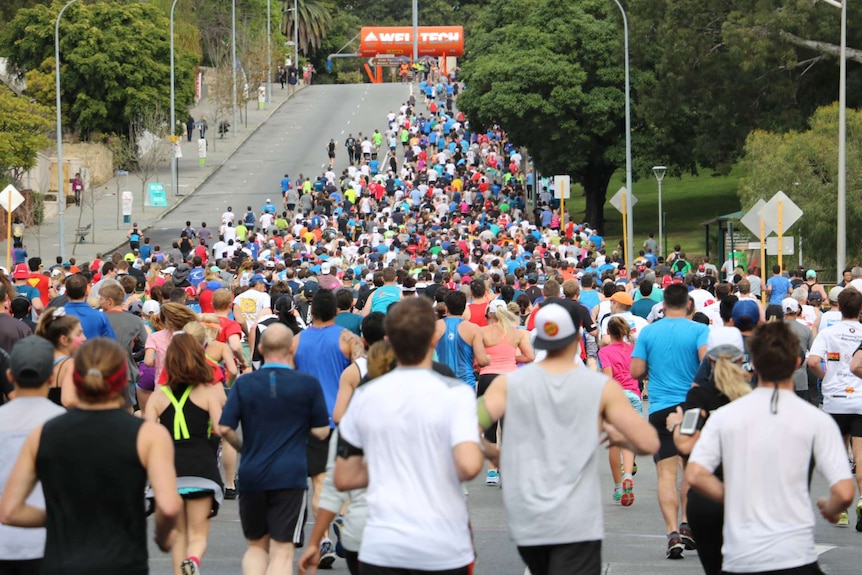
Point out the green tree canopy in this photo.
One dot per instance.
(23, 128)
(115, 61)
(803, 164)
(551, 74)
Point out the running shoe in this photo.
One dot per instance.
(327, 555)
(229, 493)
(843, 519)
(859, 515)
(493, 478)
(618, 494)
(189, 567)
(687, 537)
(337, 526)
(675, 546)
(635, 468)
(628, 494)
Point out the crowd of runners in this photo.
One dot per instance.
(382, 335)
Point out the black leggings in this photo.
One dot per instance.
(706, 519)
(482, 386)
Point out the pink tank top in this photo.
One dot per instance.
(502, 356)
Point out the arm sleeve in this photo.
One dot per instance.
(830, 454)
(464, 423)
(707, 450)
(230, 415)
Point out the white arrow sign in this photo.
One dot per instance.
(751, 220)
(10, 198)
(790, 212)
(617, 200)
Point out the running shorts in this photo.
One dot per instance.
(279, 513)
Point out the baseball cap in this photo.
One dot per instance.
(213, 285)
(215, 269)
(556, 324)
(495, 305)
(725, 340)
(135, 308)
(151, 306)
(746, 308)
(32, 361)
(325, 268)
(790, 305)
(309, 289)
(169, 270)
(21, 272)
(834, 293)
(258, 279)
(622, 298)
(810, 274)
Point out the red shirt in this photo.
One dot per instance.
(201, 251)
(205, 299)
(41, 283)
(228, 328)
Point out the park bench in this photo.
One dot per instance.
(81, 233)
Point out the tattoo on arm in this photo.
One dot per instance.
(352, 345)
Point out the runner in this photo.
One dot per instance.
(66, 335)
(462, 341)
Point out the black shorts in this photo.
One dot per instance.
(21, 567)
(317, 453)
(849, 423)
(280, 513)
(584, 558)
(368, 569)
(666, 446)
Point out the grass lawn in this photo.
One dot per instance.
(687, 201)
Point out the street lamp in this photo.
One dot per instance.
(174, 142)
(268, 51)
(233, 59)
(629, 231)
(659, 172)
(296, 39)
(842, 142)
(61, 189)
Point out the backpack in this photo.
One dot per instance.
(18, 230)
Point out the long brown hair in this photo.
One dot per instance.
(185, 362)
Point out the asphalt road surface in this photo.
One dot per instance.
(293, 141)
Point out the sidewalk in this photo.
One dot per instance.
(108, 231)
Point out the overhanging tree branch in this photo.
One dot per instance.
(826, 48)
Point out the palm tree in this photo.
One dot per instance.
(314, 22)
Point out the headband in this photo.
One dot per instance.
(116, 381)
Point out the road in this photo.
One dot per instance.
(293, 141)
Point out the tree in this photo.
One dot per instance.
(314, 22)
(803, 165)
(148, 132)
(550, 73)
(23, 128)
(108, 72)
(710, 72)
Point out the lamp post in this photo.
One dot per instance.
(415, 31)
(659, 172)
(174, 141)
(61, 189)
(842, 142)
(233, 60)
(296, 39)
(629, 231)
(268, 51)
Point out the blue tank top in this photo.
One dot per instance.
(456, 353)
(319, 354)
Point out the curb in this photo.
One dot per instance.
(215, 171)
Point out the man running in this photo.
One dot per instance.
(461, 343)
(669, 351)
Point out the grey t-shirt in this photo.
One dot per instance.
(17, 419)
(128, 328)
(806, 338)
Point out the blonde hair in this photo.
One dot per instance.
(505, 319)
(381, 359)
(174, 315)
(197, 331)
(211, 324)
(730, 379)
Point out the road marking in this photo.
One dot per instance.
(821, 549)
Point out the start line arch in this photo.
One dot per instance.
(384, 45)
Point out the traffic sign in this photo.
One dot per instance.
(617, 200)
(790, 212)
(10, 198)
(751, 220)
(562, 187)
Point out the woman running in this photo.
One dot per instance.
(615, 359)
(172, 316)
(94, 463)
(187, 406)
(506, 346)
(67, 335)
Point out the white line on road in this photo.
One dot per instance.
(821, 549)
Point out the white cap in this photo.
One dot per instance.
(495, 305)
(725, 336)
(834, 293)
(325, 268)
(556, 325)
(150, 306)
(790, 305)
(169, 270)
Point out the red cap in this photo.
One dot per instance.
(191, 291)
(21, 272)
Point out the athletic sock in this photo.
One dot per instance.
(627, 476)
(195, 560)
(618, 486)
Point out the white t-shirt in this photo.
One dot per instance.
(713, 312)
(828, 319)
(702, 298)
(842, 391)
(251, 302)
(17, 419)
(769, 523)
(636, 323)
(417, 512)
